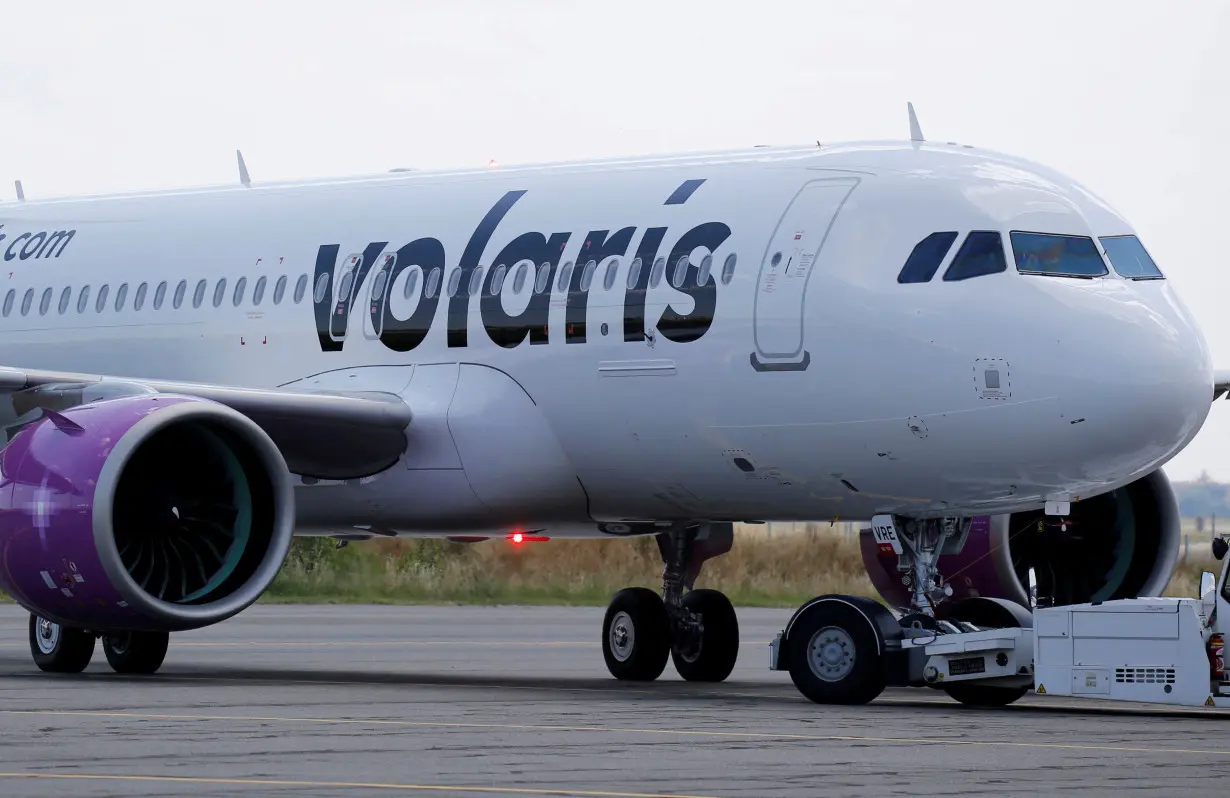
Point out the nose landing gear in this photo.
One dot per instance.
(698, 629)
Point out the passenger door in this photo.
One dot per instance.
(781, 287)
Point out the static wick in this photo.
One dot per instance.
(21, 193)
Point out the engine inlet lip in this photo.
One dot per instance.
(188, 408)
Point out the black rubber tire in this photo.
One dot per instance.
(71, 653)
(136, 652)
(865, 678)
(985, 613)
(719, 643)
(981, 695)
(644, 618)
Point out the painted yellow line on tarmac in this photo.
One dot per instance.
(537, 727)
(348, 785)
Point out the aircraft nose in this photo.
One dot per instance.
(1149, 373)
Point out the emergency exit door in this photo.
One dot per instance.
(781, 288)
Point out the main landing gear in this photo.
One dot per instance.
(698, 629)
(62, 649)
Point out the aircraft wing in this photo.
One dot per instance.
(1221, 384)
(322, 434)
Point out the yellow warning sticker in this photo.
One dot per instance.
(1041, 689)
(1208, 702)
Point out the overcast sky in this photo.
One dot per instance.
(1128, 97)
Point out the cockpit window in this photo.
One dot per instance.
(982, 253)
(926, 258)
(1062, 256)
(1129, 258)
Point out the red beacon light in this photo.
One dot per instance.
(519, 537)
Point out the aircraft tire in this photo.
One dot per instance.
(833, 654)
(59, 649)
(719, 644)
(636, 635)
(136, 652)
(986, 613)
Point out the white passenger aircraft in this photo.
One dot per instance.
(635, 346)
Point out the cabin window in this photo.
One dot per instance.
(101, 302)
(412, 281)
(519, 278)
(634, 273)
(681, 272)
(138, 301)
(322, 286)
(65, 297)
(544, 277)
(258, 291)
(926, 257)
(198, 295)
(241, 287)
(382, 277)
(160, 293)
(83, 299)
(9, 298)
(728, 268)
(180, 290)
(706, 266)
(587, 275)
(454, 282)
(343, 291)
(476, 281)
(26, 301)
(497, 279)
(120, 295)
(219, 292)
(44, 304)
(612, 271)
(1129, 258)
(565, 278)
(981, 253)
(655, 274)
(433, 282)
(300, 288)
(279, 290)
(1057, 255)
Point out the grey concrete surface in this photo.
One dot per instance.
(365, 701)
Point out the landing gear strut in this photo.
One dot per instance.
(62, 649)
(698, 629)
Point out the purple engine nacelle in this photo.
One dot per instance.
(1122, 544)
(152, 512)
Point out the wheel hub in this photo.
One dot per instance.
(622, 636)
(48, 636)
(830, 653)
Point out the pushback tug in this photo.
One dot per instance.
(990, 652)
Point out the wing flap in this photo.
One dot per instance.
(322, 434)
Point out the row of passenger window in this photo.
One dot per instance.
(982, 253)
(499, 275)
(160, 293)
(521, 275)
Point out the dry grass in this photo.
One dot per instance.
(779, 571)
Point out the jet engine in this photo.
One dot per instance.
(152, 512)
(1121, 544)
